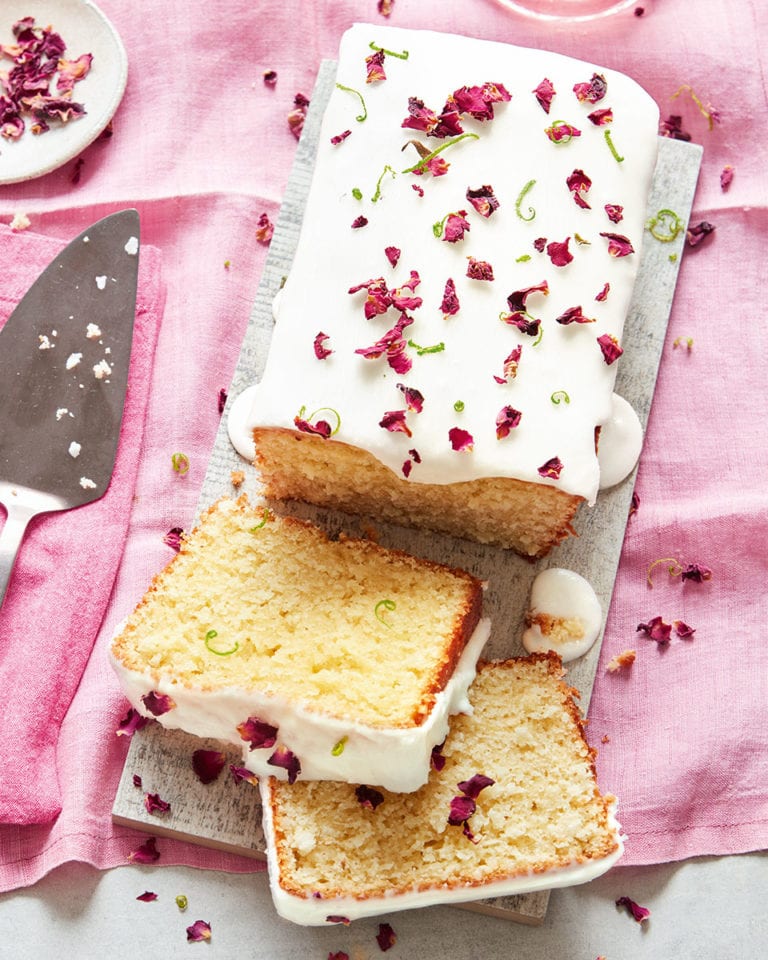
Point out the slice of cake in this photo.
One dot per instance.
(512, 805)
(320, 658)
(445, 344)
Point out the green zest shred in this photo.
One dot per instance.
(420, 166)
(666, 226)
(519, 201)
(211, 635)
(437, 348)
(612, 147)
(384, 605)
(180, 463)
(390, 53)
(357, 193)
(338, 747)
(265, 515)
(361, 116)
(558, 396)
(181, 902)
(387, 170)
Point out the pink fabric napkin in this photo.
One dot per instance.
(66, 566)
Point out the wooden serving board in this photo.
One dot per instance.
(226, 815)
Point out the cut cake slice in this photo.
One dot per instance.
(320, 658)
(512, 805)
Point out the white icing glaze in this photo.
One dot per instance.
(396, 759)
(563, 594)
(621, 440)
(312, 911)
(240, 435)
(512, 149)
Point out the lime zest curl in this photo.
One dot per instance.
(560, 396)
(387, 170)
(312, 416)
(180, 463)
(211, 635)
(612, 147)
(361, 116)
(265, 515)
(390, 53)
(666, 226)
(518, 203)
(436, 348)
(708, 112)
(384, 605)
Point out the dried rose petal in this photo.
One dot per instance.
(697, 233)
(258, 733)
(450, 302)
(270, 77)
(378, 300)
(392, 254)
(561, 132)
(198, 931)
(172, 539)
(337, 918)
(338, 138)
(158, 703)
(137, 781)
(483, 200)
(559, 253)
(385, 7)
(696, 572)
(539, 244)
(298, 115)
(147, 896)
(635, 504)
(476, 783)
(726, 177)
(394, 422)
(368, 796)
(420, 117)
(479, 269)
(437, 760)
(579, 183)
(359, 222)
(601, 116)
(153, 803)
(615, 212)
(321, 351)
(461, 440)
(222, 400)
(603, 295)
(682, 629)
(544, 94)
(462, 809)
(243, 773)
(414, 399)
(320, 429)
(286, 760)
(264, 229)
(516, 301)
(374, 67)
(673, 127)
(656, 630)
(386, 937)
(510, 365)
(639, 913)
(406, 468)
(403, 297)
(455, 226)
(574, 315)
(130, 723)
(593, 91)
(523, 321)
(392, 345)
(552, 468)
(146, 853)
(506, 420)
(208, 764)
(610, 348)
(618, 245)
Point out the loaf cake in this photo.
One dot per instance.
(321, 658)
(445, 344)
(512, 805)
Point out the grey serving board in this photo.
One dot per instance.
(227, 816)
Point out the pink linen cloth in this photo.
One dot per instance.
(202, 147)
(66, 566)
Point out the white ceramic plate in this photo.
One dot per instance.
(84, 29)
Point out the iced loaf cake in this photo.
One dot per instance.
(320, 658)
(445, 344)
(511, 806)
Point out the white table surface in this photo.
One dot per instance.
(703, 909)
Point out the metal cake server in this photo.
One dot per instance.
(64, 357)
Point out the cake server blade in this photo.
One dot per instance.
(64, 357)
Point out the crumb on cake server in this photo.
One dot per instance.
(445, 345)
(514, 808)
(320, 658)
